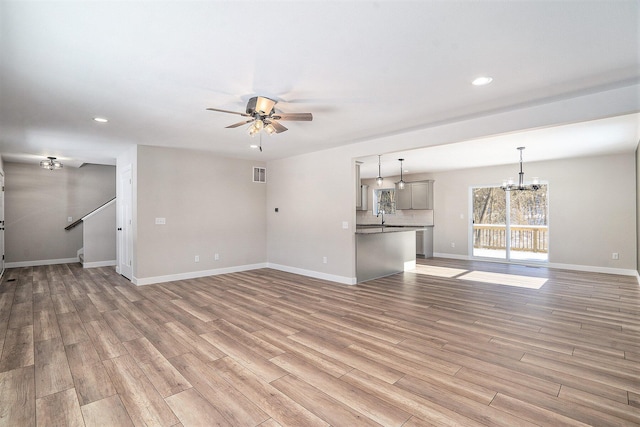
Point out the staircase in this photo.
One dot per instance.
(98, 236)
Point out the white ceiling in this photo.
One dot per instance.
(363, 68)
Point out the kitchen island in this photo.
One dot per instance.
(384, 250)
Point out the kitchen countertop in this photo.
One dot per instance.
(377, 228)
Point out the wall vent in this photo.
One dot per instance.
(259, 174)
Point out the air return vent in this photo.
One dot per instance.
(259, 174)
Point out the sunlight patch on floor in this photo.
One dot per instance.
(505, 279)
(430, 270)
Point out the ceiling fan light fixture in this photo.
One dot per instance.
(269, 129)
(260, 114)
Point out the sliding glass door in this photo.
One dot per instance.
(510, 225)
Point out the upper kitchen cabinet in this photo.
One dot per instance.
(403, 197)
(415, 195)
(422, 195)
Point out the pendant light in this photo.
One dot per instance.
(401, 183)
(509, 185)
(379, 178)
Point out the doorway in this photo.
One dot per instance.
(125, 224)
(510, 225)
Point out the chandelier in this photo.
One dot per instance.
(51, 163)
(509, 185)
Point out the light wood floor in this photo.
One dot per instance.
(85, 347)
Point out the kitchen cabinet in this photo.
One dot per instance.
(403, 197)
(424, 242)
(422, 195)
(415, 195)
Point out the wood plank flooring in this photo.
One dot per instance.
(267, 348)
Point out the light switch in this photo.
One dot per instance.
(345, 225)
(161, 221)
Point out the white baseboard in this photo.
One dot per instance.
(315, 274)
(195, 274)
(95, 264)
(203, 273)
(575, 267)
(40, 262)
(592, 269)
(451, 256)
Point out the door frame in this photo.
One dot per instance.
(125, 223)
(507, 258)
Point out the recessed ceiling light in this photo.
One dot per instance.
(481, 81)
(100, 119)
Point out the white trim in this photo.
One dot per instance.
(240, 268)
(41, 262)
(638, 277)
(95, 264)
(195, 274)
(574, 267)
(453, 256)
(593, 269)
(315, 274)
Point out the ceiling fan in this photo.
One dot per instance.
(262, 114)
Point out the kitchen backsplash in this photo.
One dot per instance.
(401, 217)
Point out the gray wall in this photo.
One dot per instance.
(315, 195)
(592, 208)
(99, 236)
(38, 203)
(210, 205)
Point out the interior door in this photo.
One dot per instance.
(125, 225)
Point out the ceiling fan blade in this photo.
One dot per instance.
(261, 105)
(297, 117)
(227, 111)
(278, 127)
(244, 122)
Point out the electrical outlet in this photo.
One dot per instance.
(161, 221)
(324, 259)
(197, 258)
(69, 219)
(453, 244)
(615, 255)
(216, 257)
